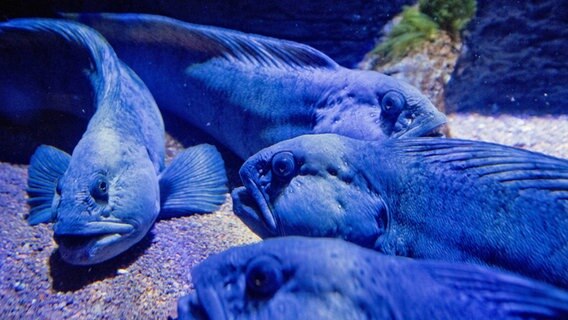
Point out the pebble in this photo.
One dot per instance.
(19, 286)
(121, 271)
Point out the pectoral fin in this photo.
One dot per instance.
(518, 297)
(47, 165)
(195, 181)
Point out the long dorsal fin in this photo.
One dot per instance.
(205, 42)
(518, 297)
(521, 168)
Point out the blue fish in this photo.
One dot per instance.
(250, 91)
(317, 278)
(106, 195)
(434, 198)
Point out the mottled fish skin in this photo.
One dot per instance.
(106, 196)
(434, 198)
(318, 278)
(250, 91)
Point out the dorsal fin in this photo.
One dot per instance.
(517, 296)
(204, 41)
(522, 168)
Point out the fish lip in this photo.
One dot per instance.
(434, 124)
(94, 228)
(81, 240)
(190, 307)
(247, 209)
(209, 301)
(264, 212)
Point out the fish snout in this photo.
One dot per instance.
(411, 124)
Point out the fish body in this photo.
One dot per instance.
(106, 195)
(319, 278)
(250, 91)
(433, 198)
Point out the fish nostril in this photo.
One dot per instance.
(105, 213)
(332, 171)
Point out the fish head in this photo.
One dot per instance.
(373, 106)
(106, 201)
(312, 185)
(285, 278)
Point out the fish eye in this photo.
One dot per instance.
(392, 103)
(264, 277)
(99, 189)
(283, 164)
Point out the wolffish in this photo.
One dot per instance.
(250, 91)
(434, 198)
(318, 278)
(106, 195)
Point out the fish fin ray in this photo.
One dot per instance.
(47, 165)
(518, 168)
(206, 42)
(195, 181)
(519, 296)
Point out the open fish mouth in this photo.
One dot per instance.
(252, 208)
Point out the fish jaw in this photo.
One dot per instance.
(246, 208)
(251, 203)
(188, 307)
(425, 125)
(93, 242)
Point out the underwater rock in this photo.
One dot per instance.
(306, 278)
(428, 68)
(514, 59)
(434, 198)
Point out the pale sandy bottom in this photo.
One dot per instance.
(145, 282)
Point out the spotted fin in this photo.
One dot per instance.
(520, 298)
(517, 168)
(47, 165)
(203, 42)
(195, 181)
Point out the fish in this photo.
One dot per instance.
(319, 278)
(250, 91)
(425, 198)
(106, 195)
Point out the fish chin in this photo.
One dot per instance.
(246, 207)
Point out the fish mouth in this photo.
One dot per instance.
(202, 304)
(432, 126)
(80, 243)
(252, 208)
(188, 307)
